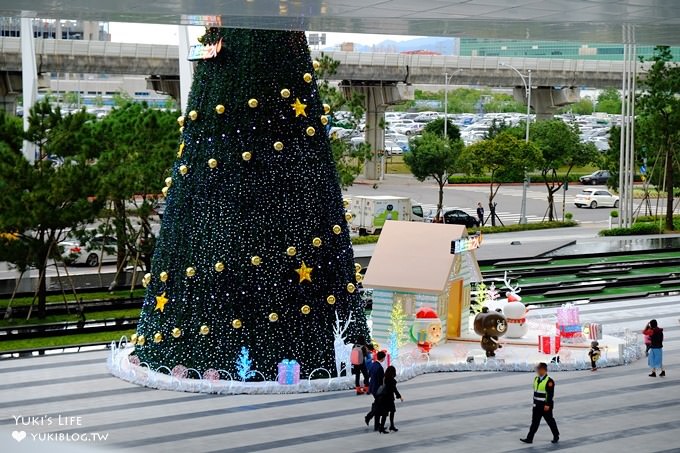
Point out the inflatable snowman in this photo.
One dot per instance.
(514, 311)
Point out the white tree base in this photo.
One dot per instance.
(449, 357)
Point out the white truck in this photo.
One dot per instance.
(369, 213)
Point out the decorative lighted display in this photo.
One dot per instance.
(204, 51)
(252, 250)
(466, 244)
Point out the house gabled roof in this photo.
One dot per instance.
(413, 257)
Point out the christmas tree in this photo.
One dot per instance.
(254, 249)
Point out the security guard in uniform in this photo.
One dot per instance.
(544, 393)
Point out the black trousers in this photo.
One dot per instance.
(537, 413)
(358, 370)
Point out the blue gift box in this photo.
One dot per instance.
(289, 372)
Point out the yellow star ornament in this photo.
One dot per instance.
(299, 108)
(305, 272)
(161, 301)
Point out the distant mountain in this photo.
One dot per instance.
(444, 46)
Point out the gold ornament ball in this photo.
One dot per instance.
(193, 115)
(316, 242)
(337, 229)
(345, 203)
(351, 288)
(147, 279)
(212, 163)
(311, 131)
(278, 146)
(252, 103)
(183, 169)
(168, 181)
(181, 129)
(348, 216)
(141, 340)
(236, 324)
(164, 190)
(176, 332)
(246, 156)
(180, 120)
(285, 93)
(219, 266)
(273, 317)
(205, 330)
(158, 337)
(331, 299)
(305, 309)
(291, 251)
(358, 277)
(324, 119)
(191, 272)
(219, 108)
(307, 77)
(133, 338)
(316, 65)
(357, 267)
(255, 260)
(164, 276)
(326, 108)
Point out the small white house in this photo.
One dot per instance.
(413, 265)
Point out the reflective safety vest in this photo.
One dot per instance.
(540, 389)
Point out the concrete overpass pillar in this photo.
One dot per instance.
(547, 100)
(377, 97)
(29, 73)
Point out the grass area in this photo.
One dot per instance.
(59, 299)
(572, 277)
(128, 313)
(370, 239)
(64, 340)
(396, 165)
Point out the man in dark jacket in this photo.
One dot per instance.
(544, 402)
(375, 380)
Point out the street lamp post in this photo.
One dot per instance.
(527, 93)
(447, 79)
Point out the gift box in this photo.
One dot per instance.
(289, 372)
(548, 344)
(570, 331)
(568, 315)
(593, 331)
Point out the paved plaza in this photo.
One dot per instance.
(617, 409)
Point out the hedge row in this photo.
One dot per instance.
(485, 179)
(636, 229)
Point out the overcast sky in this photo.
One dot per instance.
(167, 34)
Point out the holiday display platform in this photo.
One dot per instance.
(465, 354)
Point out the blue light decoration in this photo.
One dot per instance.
(394, 344)
(243, 365)
(289, 372)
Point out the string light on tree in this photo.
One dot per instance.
(260, 193)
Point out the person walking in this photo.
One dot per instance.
(358, 359)
(544, 403)
(375, 381)
(385, 400)
(655, 358)
(480, 213)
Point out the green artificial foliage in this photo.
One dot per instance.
(241, 233)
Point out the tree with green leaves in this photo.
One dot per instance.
(561, 150)
(437, 127)
(609, 101)
(41, 202)
(505, 158)
(433, 156)
(136, 144)
(658, 104)
(349, 158)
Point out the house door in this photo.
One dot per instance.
(453, 317)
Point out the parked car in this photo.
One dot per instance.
(594, 198)
(392, 149)
(458, 217)
(73, 252)
(597, 178)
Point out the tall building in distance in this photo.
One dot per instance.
(473, 47)
(58, 29)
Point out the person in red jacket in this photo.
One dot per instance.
(655, 358)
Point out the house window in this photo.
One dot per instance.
(408, 302)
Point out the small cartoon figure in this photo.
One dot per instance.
(427, 329)
(594, 354)
(491, 326)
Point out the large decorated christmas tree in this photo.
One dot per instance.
(254, 249)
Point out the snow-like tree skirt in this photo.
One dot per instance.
(448, 357)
